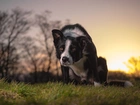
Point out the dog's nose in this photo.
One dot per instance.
(65, 59)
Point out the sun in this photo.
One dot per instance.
(117, 64)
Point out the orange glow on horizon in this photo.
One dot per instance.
(117, 42)
(117, 65)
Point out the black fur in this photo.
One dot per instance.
(102, 69)
(82, 46)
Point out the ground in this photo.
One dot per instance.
(59, 94)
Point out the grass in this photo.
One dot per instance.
(59, 94)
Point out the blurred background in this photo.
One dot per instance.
(26, 50)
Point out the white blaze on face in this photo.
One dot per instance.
(66, 54)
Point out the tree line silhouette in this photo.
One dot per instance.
(26, 45)
(26, 50)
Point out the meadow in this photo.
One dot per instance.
(56, 93)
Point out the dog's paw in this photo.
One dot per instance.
(96, 84)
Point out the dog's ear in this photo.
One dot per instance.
(57, 35)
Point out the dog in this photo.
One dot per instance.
(103, 75)
(78, 56)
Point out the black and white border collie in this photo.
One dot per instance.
(78, 56)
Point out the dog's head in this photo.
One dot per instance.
(69, 49)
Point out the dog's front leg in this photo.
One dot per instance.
(93, 74)
(65, 74)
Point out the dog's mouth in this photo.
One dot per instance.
(66, 64)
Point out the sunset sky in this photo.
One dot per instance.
(114, 25)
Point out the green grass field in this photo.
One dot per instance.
(59, 94)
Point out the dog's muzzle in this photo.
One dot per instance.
(65, 61)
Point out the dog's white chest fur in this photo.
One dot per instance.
(78, 68)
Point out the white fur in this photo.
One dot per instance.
(96, 84)
(78, 68)
(66, 53)
(76, 32)
(128, 84)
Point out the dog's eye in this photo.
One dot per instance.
(73, 49)
(61, 49)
